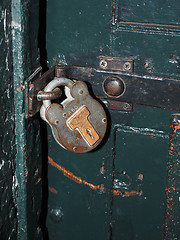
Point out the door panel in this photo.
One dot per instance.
(77, 188)
(164, 12)
(20, 157)
(140, 173)
(117, 191)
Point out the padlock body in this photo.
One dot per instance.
(81, 125)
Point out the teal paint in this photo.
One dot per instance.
(18, 76)
(27, 136)
(8, 191)
(153, 44)
(80, 33)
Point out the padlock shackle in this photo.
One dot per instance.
(56, 82)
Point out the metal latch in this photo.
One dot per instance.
(114, 82)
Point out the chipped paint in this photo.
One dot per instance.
(132, 193)
(2, 164)
(16, 25)
(172, 218)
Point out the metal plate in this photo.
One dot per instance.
(33, 84)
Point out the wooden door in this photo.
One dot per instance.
(119, 190)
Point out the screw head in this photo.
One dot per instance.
(126, 106)
(127, 66)
(103, 64)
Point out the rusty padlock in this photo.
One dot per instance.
(79, 123)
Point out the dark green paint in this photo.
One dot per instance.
(139, 151)
(161, 11)
(77, 33)
(8, 190)
(20, 145)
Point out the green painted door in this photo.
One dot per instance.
(119, 190)
(20, 153)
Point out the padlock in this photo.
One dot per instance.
(79, 123)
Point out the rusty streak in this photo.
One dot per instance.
(172, 217)
(65, 172)
(100, 187)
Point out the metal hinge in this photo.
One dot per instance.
(114, 83)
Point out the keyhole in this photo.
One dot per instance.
(89, 133)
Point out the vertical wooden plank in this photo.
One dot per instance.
(25, 59)
(8, 188)
(172, 215)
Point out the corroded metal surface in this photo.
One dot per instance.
(56, 93)
(172, 215)
(33, 84)
(114, 63)
(149, 90)
(61, 120)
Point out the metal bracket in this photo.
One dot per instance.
(114, 63)
(33, 84)
(114, 83)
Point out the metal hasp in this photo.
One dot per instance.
(115, 83)
(146, 90)
(33, 84)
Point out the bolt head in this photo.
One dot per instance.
(114, 86)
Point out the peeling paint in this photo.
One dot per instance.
(2, 164)
(16, 25)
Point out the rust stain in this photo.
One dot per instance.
(117, 192)
(53, 190)
(102, 169)
(65, 172)
(92, 186)
(101, 187)
(21, 88)
(176, 128)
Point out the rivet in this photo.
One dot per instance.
(64, 115)
(126, 106)
(80, 91)
(74, 149)
(104, 120)
(56, 122)
(56, 214)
